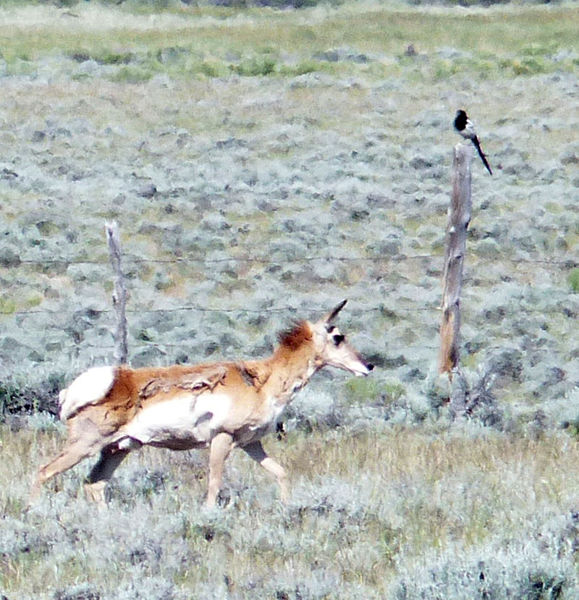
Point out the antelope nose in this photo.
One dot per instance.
(370, 366)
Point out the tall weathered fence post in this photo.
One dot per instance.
(119, 294)
(458, 220)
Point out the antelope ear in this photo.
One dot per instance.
(333, 313)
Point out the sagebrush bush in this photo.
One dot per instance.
(370, 513)
(539, 568)
(264, 164)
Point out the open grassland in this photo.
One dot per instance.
(263, 165)
(219, 41)
(459, 514)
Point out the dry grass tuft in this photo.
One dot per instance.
(366, 512)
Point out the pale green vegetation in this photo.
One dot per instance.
(371, 516)
(263, 165)
(219, 41)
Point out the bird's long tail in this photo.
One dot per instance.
(481, 154)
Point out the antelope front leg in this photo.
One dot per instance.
(256, 451)
(221, 446)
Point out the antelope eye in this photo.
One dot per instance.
(338, 339)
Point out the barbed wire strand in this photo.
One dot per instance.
(569, 263)
(287, 309)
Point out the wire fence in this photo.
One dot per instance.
(566, 264)
(209, 310)
(269, 310)
(424, 301)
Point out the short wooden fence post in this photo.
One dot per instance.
(119, 294)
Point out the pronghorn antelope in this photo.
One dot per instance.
(113, 410)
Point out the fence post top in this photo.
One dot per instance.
(463, 152)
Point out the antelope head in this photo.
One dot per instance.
(333, 349)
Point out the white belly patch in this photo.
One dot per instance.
(184, 421)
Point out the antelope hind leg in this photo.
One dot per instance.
(68, 458)
(101, 473)
(84, 440)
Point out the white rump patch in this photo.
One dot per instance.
(88, 388)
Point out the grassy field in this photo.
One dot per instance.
(219, 41)
(263, 165)
(465, 513)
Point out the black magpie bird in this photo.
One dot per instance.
(465, 127)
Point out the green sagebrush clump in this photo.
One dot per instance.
(314, 410)
(84, 591)
(135, 5)
(178, 61)
(158, 6)
(17, 398)
(475, 395)
(149, 552)
(164, 5)
(573, 280)
(367, 514)
(275, 3)
(539, 566)
(466, 3)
